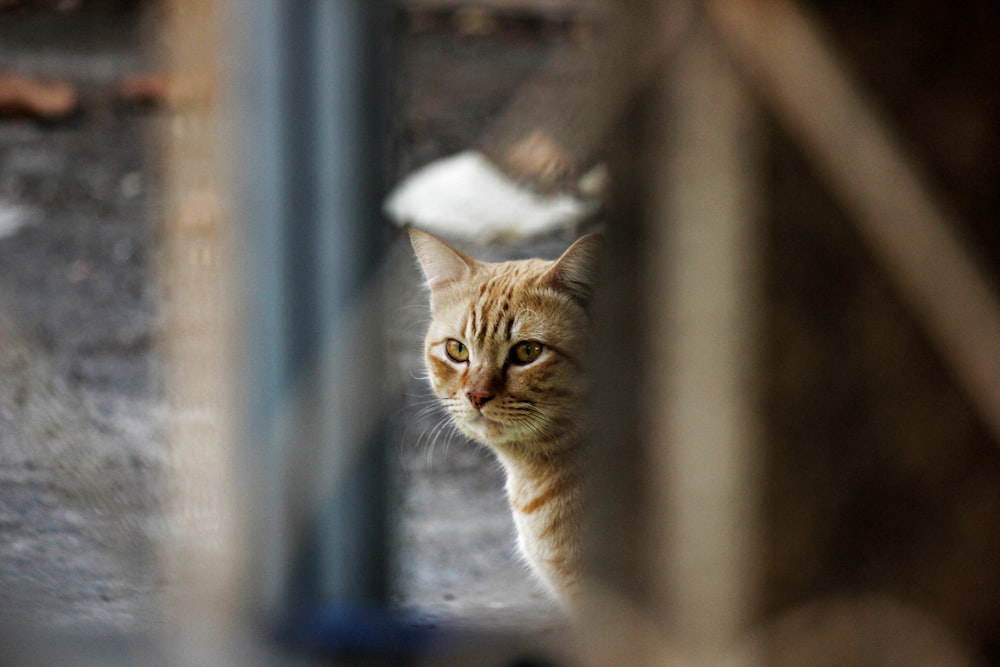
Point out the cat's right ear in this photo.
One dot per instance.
(442, 265)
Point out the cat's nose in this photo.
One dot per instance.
(479, 398)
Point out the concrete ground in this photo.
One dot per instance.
(82, 410)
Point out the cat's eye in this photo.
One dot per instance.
(525, 352)
(456, 350)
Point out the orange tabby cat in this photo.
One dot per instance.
(505, 353)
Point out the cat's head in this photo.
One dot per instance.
(507, 346)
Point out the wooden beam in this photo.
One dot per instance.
(703, 302)
(798, 73)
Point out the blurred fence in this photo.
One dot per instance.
(680, 503)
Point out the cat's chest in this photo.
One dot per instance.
(544, 506)
(546, 516)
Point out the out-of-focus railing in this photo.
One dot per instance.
(271, 238)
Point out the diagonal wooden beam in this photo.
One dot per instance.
(799, 74)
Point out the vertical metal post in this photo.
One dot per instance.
(308, 182)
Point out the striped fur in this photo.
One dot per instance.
(527, 413)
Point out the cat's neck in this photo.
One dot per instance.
(529, 471)
(538, 459)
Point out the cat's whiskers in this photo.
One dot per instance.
(421, 406)
(432, 440)
(443, 426)
(414, 408)
(452, 433)
(430, 407)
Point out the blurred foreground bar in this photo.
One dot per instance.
(676, 505)
(307, 107)
(702, 384)
(275, 181)
(201, 551)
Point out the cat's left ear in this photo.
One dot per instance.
(575, 272)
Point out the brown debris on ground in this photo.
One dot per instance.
(28, 96)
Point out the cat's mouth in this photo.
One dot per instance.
(483, 425)
(480, 419)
